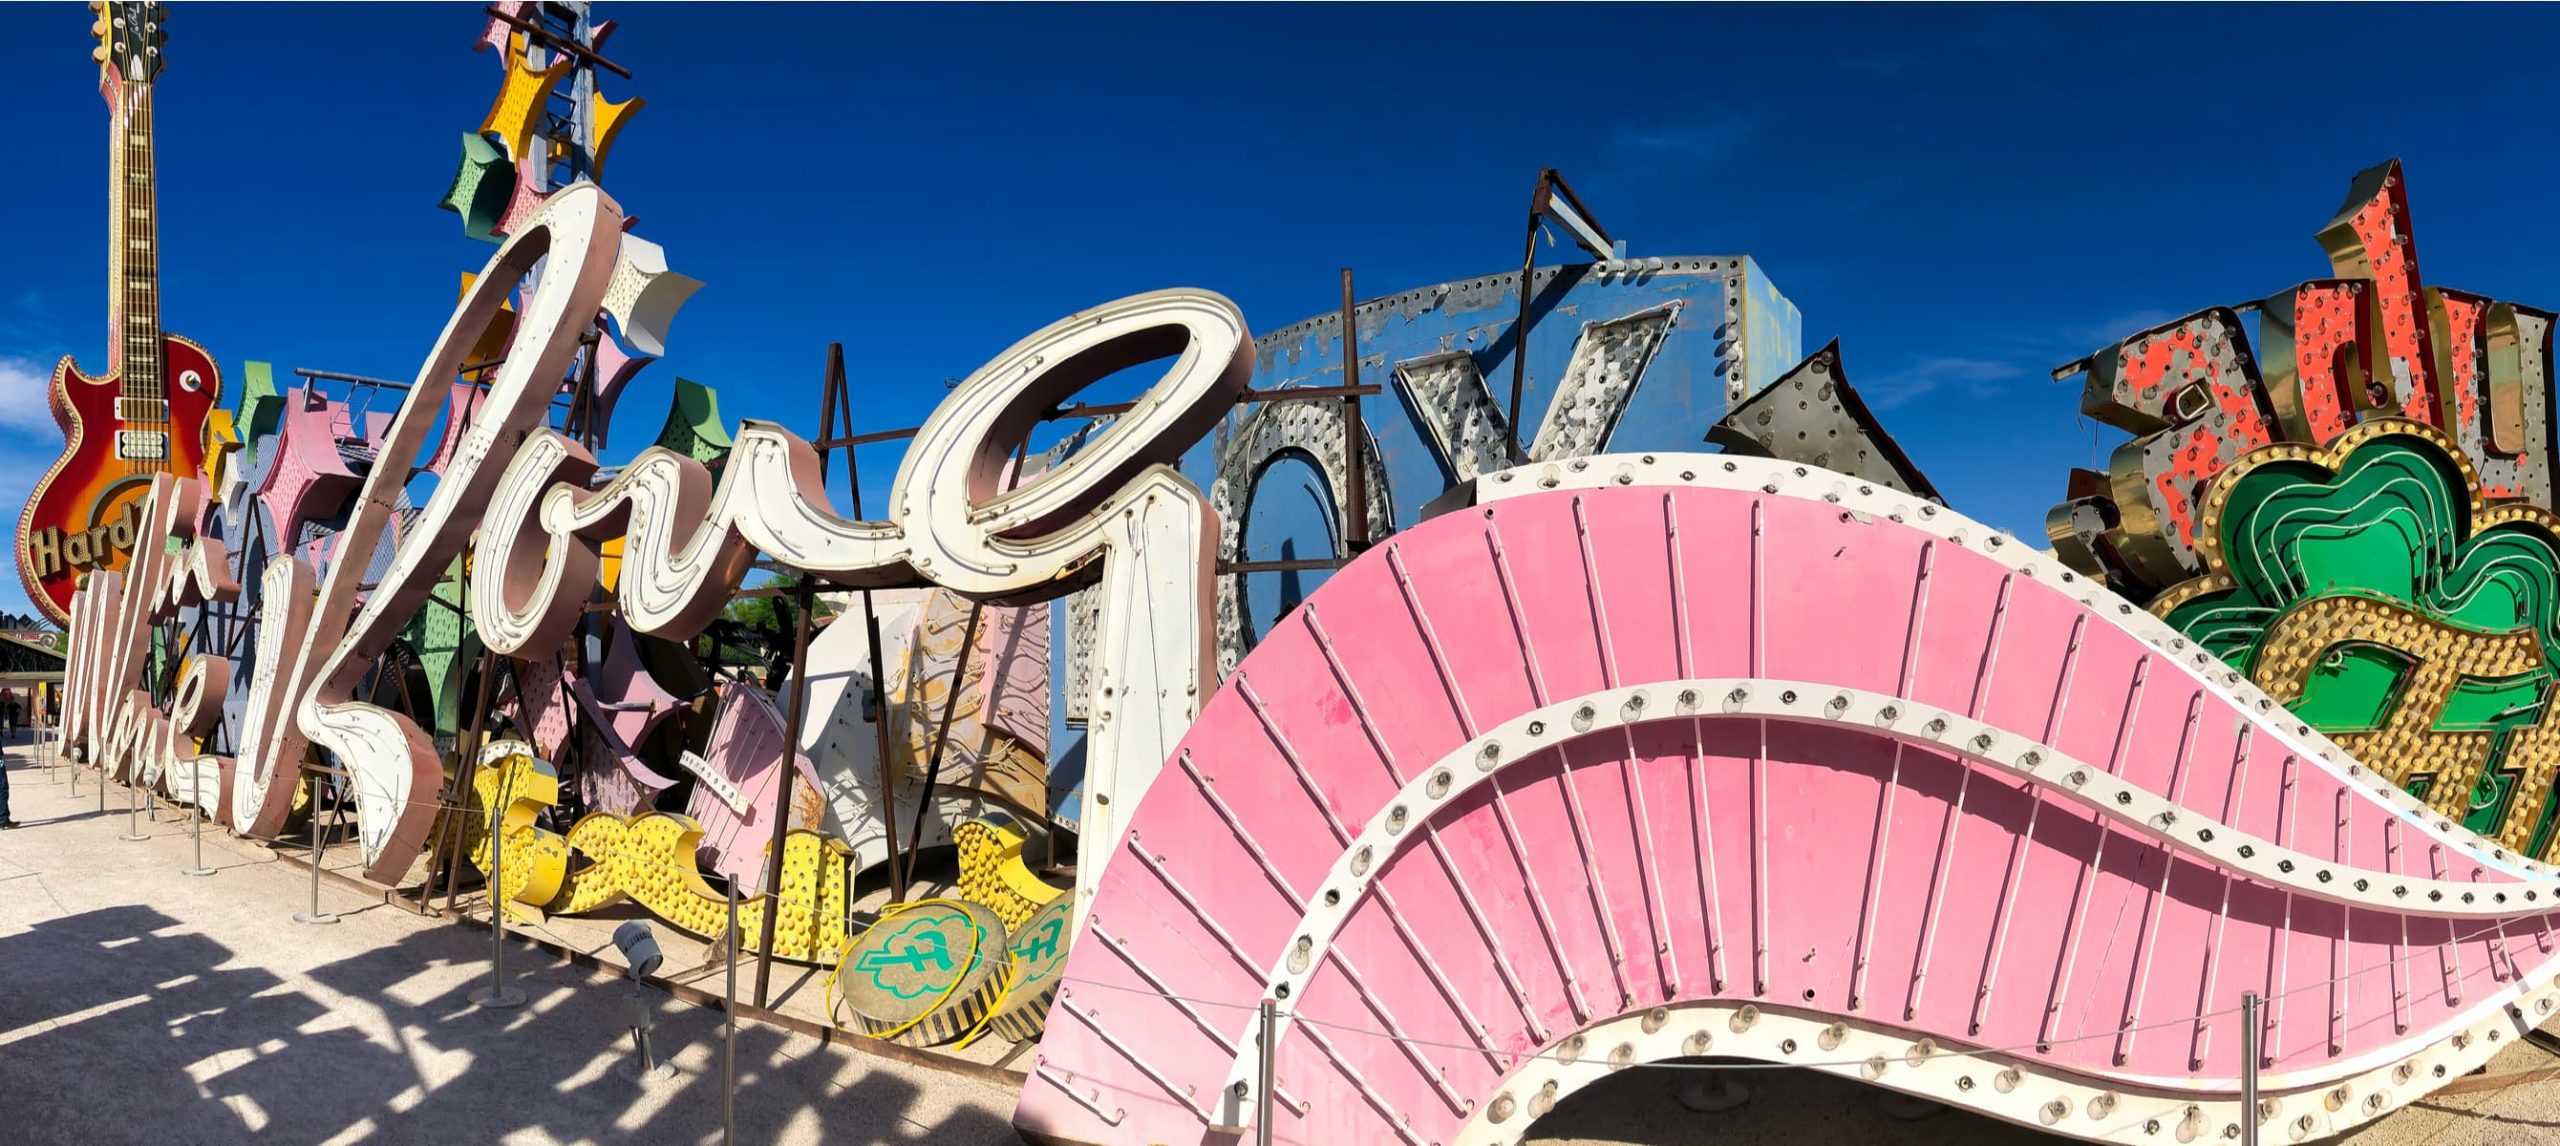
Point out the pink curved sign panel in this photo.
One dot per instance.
(1714, 753)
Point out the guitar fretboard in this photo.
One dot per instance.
(145, 394)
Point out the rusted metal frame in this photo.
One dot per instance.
(572, 715)
(170, 656)
(941, 740)
(553, 40)
(832, 399)
(466, 751)
(1290, 565)
(1520, 325)
(427, 885)
(1573, 203)
(338, 824)
(580, 420)
(879, 667)
(1100, 410)
(828, 441)
(467, 761)
(1300, 393)
(1355, 531)
(1542, 207)
(232, 627)
(951, 699)
(387, 384)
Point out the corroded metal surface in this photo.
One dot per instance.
(2334, 353)
(1813, 416)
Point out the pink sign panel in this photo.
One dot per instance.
(1677, 756)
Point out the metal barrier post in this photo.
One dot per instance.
(1262, 1096)
(195, 792)
(2249, 1069)
(729, 1056)
(132, 809)
(314, 915)
(497, 996)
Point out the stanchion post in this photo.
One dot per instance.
(195, 792)
(132, 812)
(497, 996)
(729, 1054)
(1262, 1095)
(2249, 1069)
(467, 762)
(314, 916)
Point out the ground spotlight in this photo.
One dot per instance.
(639, 948)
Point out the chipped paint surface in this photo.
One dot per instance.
(1812, 415)
(2333, 354)
(1646, 352)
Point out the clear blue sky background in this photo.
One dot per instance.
(1966, 196)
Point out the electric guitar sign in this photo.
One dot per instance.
(146, 414)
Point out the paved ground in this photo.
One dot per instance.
(141, 1006)
(1640, 1108)
(137, 1005)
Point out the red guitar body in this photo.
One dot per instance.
(147, 415)
(78, 520)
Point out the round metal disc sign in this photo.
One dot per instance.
(1038, 953)
(925, 973)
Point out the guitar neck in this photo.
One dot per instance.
(136, 251)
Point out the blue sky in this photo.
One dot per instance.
(1966, 196)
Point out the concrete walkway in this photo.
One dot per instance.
(138, 1005)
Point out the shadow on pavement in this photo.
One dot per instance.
(120, 1025)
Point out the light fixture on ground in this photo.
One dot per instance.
(640, 955)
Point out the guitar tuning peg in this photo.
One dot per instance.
(98, 30)
(99, 53)
(97, 5)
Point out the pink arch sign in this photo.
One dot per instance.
(1634, 759)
